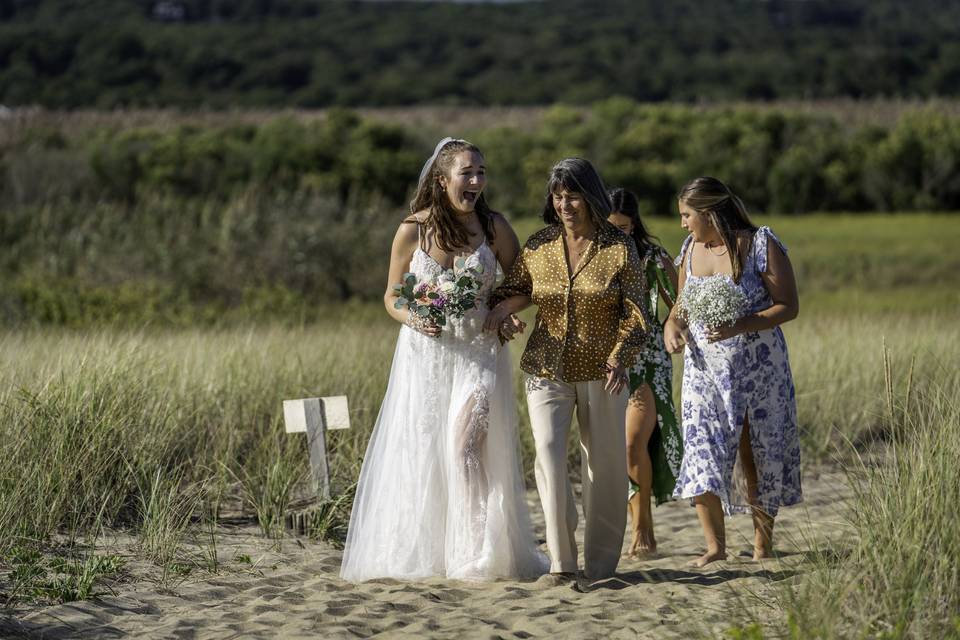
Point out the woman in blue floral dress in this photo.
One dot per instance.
(737, 399)
(654, 442)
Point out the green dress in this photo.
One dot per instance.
(655, 368)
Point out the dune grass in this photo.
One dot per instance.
(893, 572)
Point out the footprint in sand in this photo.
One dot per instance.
(338, 611)
(446, 595)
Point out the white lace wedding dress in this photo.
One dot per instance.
(441, 490)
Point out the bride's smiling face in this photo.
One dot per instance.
(465, 181)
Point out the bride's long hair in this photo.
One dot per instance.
(432, 197)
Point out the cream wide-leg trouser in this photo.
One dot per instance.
(603, 465)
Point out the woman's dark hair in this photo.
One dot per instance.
(431, 196)
(725, 211)
(625, 203)
(577, 176)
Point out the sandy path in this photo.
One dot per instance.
(295, 593)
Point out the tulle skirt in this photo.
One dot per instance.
(441, 489)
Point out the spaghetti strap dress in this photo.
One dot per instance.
(441, 489)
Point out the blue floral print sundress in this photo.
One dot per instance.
(746, 375)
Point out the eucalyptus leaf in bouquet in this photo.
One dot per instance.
(450, 294)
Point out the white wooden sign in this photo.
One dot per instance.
(314, 416)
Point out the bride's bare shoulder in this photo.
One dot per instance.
(408, 233)
(418, 217)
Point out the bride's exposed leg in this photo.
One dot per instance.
(471, 433)
(471, 486)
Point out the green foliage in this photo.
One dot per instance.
(56, 577)
(166, 505)
(175, 262)
(898, 577)
(779, 159)
(338, 155)
(749, 632)
(268, 480)
(101, 411)
(328, 522)
(195, 53)
(192, 223)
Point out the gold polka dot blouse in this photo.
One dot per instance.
(585, 320)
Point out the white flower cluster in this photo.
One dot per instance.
(714, 301)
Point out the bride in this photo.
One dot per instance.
(441, 490)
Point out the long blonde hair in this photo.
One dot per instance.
(431, 196)
(725, 211)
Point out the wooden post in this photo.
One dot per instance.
(314, 416)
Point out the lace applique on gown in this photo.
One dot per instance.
(441, 490)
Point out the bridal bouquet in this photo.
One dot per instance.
(450, 294)
(714, 301)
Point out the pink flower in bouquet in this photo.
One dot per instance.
(423, 291)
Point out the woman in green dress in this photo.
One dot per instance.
(654, 441)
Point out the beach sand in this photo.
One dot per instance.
(295, 592)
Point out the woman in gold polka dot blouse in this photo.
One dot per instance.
(585, 278)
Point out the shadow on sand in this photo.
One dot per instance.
(702, 578)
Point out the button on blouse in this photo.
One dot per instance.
(595, 316)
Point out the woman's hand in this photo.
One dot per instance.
(511, 326)
(423, 325)
(496, 317)
(616, 378)
(726, 331)
(503, 322)
(673, 337)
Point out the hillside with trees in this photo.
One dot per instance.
(320, 53)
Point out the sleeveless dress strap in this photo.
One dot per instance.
(683, 252)
(663, 280)
(760, 243)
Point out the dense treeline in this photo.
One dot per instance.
(188, 223)
(783, 161)
(108, 53)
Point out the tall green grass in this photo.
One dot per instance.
(893, 572)
(92, 421)
(149, 431)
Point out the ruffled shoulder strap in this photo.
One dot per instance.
(760, 243)
(683, 250)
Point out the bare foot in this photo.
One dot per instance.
(762, 544)
(761, 552)
(643, 543)
(707, 558)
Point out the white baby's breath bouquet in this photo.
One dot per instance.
(714, 301)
